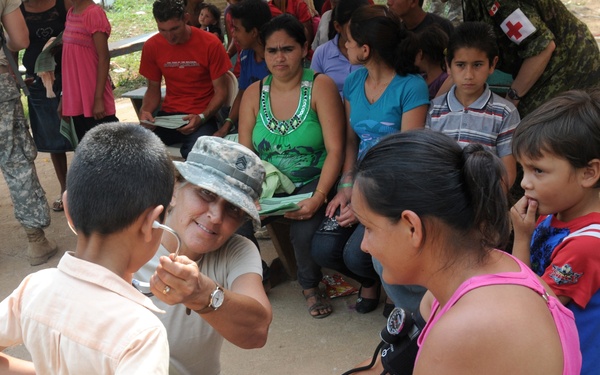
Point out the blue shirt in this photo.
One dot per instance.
(565, 255)
(373, 121)
(251, 71)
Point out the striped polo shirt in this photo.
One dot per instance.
(490, 120)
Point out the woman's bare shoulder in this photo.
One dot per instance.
(493, 329)
(251, 94)
(325, 92)
(323, 82)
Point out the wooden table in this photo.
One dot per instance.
(129, 45)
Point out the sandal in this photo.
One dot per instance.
(321, 303)
(58, 205)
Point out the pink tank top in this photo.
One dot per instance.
(563, 317)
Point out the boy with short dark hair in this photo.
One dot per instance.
(558, 146)
(85, 316)
(247, 18)
(470, 112)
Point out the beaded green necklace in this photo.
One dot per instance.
(285, 127)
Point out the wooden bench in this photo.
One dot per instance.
(136, 96)
(129, 45)
(279, 231)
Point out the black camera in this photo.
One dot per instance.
(400, 335)
(398, 344)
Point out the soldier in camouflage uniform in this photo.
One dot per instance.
(450, 9)
(17, 150)
(543, 46)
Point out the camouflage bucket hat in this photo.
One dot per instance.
(227, 169)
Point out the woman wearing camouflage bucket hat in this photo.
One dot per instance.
(209, 279)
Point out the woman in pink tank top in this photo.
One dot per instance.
(434, 216)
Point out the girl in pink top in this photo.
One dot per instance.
(87, 93)
(433, 215)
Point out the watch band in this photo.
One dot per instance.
(202, 118)
(513, 94)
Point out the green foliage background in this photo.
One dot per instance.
(128, 18)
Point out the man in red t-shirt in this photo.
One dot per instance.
(298, 9)
(194, 64)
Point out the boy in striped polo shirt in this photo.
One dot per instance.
(470, 112)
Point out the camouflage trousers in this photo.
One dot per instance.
(451, 9)
(17, 155)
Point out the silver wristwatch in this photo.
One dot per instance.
(216, 298)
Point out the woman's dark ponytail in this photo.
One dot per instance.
(388, 40)
(484, 177)
(430, 174)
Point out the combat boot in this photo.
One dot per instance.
(40, 249)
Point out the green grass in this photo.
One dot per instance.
(129, 18)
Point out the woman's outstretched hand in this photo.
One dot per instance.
(178, 280)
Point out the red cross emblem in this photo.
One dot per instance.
(513, 30)
(517, 26)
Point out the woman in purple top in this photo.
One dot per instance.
(430, 59)
(331, 58)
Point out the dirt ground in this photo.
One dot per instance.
(12, 237)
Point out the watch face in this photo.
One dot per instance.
(217, 299)
(396, 321)
(513, 94)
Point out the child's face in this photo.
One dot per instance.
(555, 184)
(206, 18)
(244, 38)
(470, 69)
